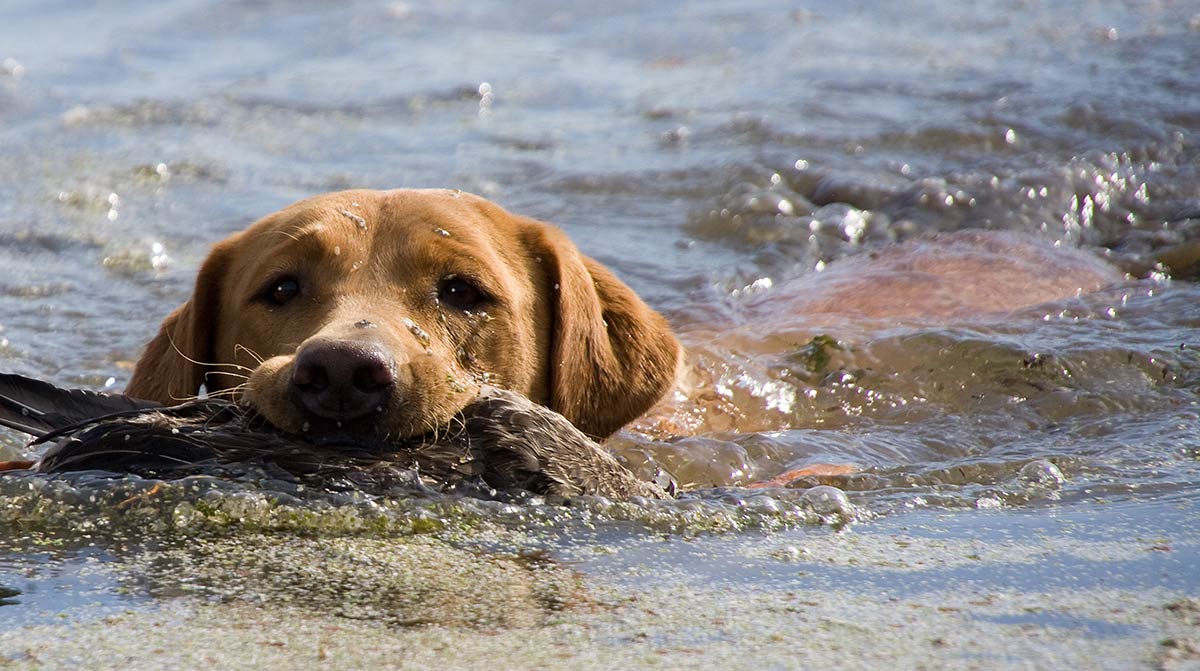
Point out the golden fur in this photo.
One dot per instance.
(367, 266)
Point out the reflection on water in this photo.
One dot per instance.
(710, 153)
(48, 578)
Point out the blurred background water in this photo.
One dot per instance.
(705, 151)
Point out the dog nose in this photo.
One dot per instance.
(342, 379)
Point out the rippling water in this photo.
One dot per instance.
(708, 153)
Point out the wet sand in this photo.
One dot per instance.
(1065, 587)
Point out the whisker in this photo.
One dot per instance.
(458, 422)
(203, 363)
(227, 374)
(249, 352)
(285, 233)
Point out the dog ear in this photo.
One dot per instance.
(611, 356)
(173, 365)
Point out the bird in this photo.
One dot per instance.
(501, 440)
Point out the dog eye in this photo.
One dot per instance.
(460, 293)
(281, 291)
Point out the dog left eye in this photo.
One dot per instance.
(280, 291)
(460, 293)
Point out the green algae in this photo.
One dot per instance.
(203, 504)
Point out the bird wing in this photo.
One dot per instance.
(38, 408)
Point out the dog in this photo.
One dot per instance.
(382, 313)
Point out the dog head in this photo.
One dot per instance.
(382, 313)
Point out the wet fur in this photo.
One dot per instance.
(560, 328)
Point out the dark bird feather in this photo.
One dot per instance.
(38, 408)
(504, 440)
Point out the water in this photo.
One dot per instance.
(708, 153)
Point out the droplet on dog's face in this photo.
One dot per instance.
(417, 331)
(359, 221)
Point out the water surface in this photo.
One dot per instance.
(709, 153)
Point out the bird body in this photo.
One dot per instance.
(501, 439)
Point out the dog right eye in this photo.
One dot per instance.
(281, 291)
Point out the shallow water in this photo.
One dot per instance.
(708, 153)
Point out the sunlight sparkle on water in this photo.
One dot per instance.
(158, 256)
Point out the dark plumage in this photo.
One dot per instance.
(501, 438)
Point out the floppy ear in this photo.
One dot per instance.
(611, 356)
(171, 369)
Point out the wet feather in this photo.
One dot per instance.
(501, 439)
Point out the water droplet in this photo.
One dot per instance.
(1041, 473)
(416, 331)
(990, 502)
(364, 324)
(13, 67)
(305, 427)
(442, 232)
(362, 223)
(827, 500)
(110, 382)
(337, 250)
(486, 97)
